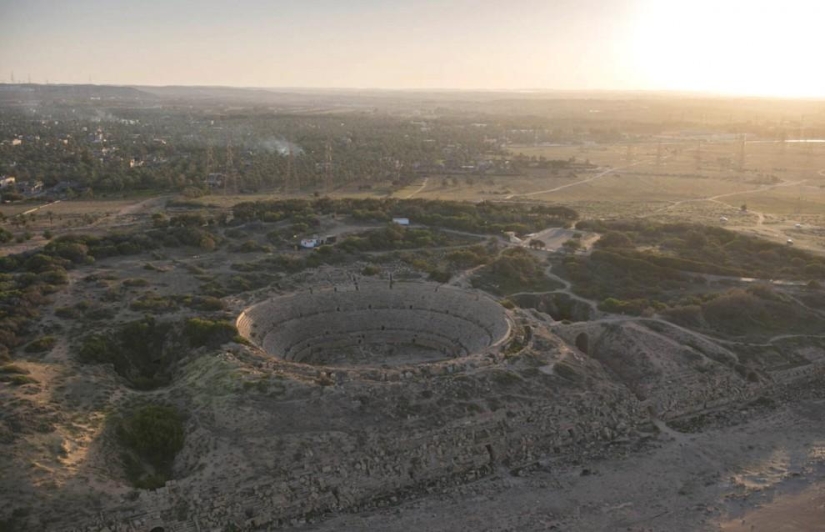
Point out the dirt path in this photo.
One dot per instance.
(41, 207)
(151, 205)
(419, 189)
(577, 183)
(715, 199)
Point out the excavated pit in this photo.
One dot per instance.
(375, 325)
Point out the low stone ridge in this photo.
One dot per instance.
(375, 323)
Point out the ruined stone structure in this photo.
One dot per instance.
(376, 324)
(318, 417)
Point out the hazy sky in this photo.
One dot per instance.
(734, 46)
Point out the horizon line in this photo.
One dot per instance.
(681, 92)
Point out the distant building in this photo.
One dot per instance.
(214, 180)
(30, 188)
(513, 238)
(401, 221)
(6, 182)
(315, 241)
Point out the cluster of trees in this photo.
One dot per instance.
(441, 266)
(201, 332)
(705, 249)
(393, 237)
(643, 268)
(483, 218)
(112, 150)
(151, 436)
(25, 284)
(757, 310)
(146, 352)
(606, 274)
(516, 270)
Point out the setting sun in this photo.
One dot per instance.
(737, 47)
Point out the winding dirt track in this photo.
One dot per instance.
(716, 198)
(603, 317)
(419, 189)
(577, 183)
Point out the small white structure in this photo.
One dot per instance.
(214, 180)
(789, 242)
(309, 243)
(30, 188)
(401, 221)
(798, 226)
(6, 182)
(723, 219)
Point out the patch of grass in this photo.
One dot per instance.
(13, 369)
(505, 378)
(144, 352)
(566, 371)
(204, 332)
(205, 303)
(18, 380)
(370, 270)
(152, 436)
(41, 345)
(67, 313)
(151, 302)
(516, 270)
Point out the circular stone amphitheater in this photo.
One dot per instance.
(375, 324)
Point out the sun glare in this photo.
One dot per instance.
(758, 48)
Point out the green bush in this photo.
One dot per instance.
(634, 307)
(144, 352)
(516, 270)
(440, 275)
(154, 303)
(18, 380)
(97, 349)
(566, 371)
(41, 344)
(151, 435)
(484, 217)
(370, 270)
(203, 332)
(135, 282)
(206, 303)
(13, 369)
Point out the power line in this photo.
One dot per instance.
(740, 163)
(328, 166)
(231, 174)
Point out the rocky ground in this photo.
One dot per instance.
(764, 474)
